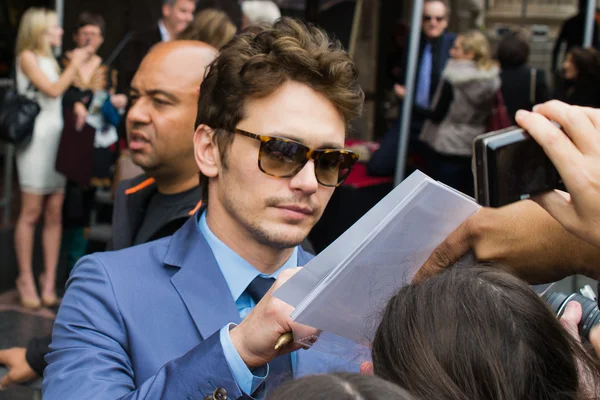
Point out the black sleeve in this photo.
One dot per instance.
(556, 50)
(71, 96)
(440, 111)
(36, 351)
(383, 161)
(541, 87)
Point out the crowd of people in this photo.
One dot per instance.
(239, 138)
(456, 93)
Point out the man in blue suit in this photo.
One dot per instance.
(434, 52)
(191, 316)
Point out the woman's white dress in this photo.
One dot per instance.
(36, 161)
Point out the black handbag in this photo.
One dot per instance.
(17, 117)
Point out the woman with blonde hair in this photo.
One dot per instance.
(460, 110)
(42, 188)
(210, 26)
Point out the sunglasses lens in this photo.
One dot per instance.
(333, 167)
(281, 158)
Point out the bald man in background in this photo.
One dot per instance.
(160, 126)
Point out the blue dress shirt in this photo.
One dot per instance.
(238, 274)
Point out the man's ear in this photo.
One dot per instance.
(166, 10)
(206, 151)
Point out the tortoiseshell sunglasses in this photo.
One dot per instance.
(283, 158)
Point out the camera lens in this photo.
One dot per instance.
(590, 313)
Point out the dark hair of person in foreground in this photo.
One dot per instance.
(479, 333)
(341, 386)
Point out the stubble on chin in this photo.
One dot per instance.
(274, 238)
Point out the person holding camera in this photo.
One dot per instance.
(557, 237)
(558, 234)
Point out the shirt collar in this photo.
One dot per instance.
(238, 272)
(164, 33)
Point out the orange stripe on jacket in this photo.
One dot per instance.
(140, 186)
(196, 208)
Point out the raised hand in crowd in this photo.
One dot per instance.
(81, 54)
(118, 100)
(550, 243)
(400, 91)
(575, 151)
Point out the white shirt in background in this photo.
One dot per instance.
(164, 33)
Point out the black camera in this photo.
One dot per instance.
(590, 316)
(510, 166)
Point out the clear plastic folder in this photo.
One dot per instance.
(344, 290)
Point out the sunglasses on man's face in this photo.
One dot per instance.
(284, 158)
(429, 18)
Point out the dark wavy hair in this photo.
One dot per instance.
(88, 18)
(261, 59)
(587, 63)
(479, 333)
(341, 386)
(513, 50)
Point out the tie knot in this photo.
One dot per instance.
(259, 287)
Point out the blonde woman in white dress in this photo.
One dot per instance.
(42, 188)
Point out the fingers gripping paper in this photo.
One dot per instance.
(344, 290)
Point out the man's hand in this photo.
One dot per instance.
(19, 370)
(118, 101)
(571, 318)
(521, 236)
(255, 337)
(400, 91)
(575, 152)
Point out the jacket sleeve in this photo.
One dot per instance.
(383, 161)
(89, 354)
(72, 96)
(36, 351)
(440, 110)
(541, 87)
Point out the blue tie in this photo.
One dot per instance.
(280, 368)
(424, 79)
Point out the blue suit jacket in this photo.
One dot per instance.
(143, 323)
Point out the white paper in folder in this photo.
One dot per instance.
(345, 288)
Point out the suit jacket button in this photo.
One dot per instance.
(220, 394)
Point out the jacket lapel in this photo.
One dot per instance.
(132, 197)
(199, 281)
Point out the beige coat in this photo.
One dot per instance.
(473, 91)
